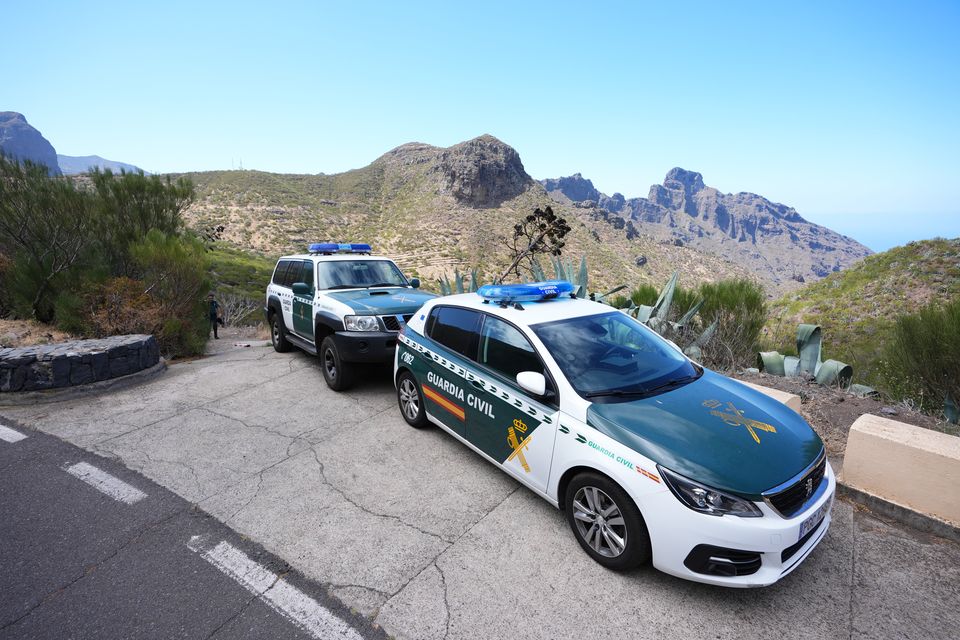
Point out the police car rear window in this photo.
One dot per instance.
(280, 272)
(455, 328)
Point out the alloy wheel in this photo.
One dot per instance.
(330, 364)
(600, 522)
(409, 399)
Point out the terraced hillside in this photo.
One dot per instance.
(858, 306)
(432, 209)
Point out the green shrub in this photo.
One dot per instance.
(739, 308)
(921, 361)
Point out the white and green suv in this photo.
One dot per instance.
(342, 303)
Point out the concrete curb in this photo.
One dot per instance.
(900, 513)
(25, 398)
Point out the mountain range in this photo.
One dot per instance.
(74, 165)
(18, 139)
(435, 209)
(768, 237)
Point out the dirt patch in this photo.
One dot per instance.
(26, 333)
(832, 411)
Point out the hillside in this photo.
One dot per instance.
(432, 209)
(858, 306)
(21, 141)
(763, 236)
(73, 165)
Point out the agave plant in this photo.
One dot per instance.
(564, 270)
(657, 317)
(459, 285)
(808, 363)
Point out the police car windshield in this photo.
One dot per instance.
(349, 274)
(611, 356)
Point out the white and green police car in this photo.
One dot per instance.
(342, 303)
(650, 455)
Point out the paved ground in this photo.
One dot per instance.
(90, 549)
(416, 532)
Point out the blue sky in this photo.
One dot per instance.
(846, 111)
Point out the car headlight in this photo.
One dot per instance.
(361, 323)
(704, 499)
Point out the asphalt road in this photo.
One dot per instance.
(129, 559)
(406, 526)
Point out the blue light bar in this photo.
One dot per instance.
(530, 292)
(334, 247)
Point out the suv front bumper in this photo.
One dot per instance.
(366, 346)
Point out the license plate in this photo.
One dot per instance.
(811, 523)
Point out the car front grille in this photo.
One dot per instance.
(393, 323)
(791, 500)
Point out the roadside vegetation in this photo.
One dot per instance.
(103, 256)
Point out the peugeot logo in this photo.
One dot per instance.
(809, 486)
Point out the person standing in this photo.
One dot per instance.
(216, 314)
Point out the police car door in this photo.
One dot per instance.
(303, 304)
(285, 291)
(503, 420)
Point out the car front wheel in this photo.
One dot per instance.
(411, 401)
(335, 371)
(606, 522)
(277, 334)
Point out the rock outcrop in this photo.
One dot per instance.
(482, 172)
(765, 237)
(21, 141)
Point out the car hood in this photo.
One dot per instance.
(381, 301)
(701, 431)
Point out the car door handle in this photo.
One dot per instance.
(476, 384)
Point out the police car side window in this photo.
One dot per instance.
(280, 273)
(456, 329)
(505, 350)
(293, 273)
(307, 275)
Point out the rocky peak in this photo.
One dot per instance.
(688, 181)
(21, 141)
(678, 191)
(482, 172)
(575, 187)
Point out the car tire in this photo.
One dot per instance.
(617, 540)
(278, 334)
(410, 399)
(337, 373)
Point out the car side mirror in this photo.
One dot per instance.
(302, 289)
(533, 382)
(415, 283)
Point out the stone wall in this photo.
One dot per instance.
(66, 364)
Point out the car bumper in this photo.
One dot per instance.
(366, 346)
(677, 531)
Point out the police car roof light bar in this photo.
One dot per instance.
(529, 292)
(329, 248)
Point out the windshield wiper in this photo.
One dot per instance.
(619, 393)
(345, 286)
(626, 393)
(384, 284)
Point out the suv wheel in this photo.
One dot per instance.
(335, 371)
(411, 401)
(606, 522)
(278, 334)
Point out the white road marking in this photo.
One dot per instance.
(8, 434)
(106, 483)
(281, 596)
